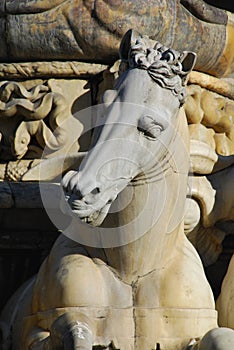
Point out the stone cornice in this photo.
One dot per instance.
(49, 69)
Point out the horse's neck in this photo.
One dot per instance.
(145, 223)
(153, 219)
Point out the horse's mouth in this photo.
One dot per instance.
(93, 208)
(91, 213)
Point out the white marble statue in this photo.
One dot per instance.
(141, 284)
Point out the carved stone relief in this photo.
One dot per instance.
(36, 117)
(210, 112)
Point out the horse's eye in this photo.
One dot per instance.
(149, 127)
(23, 140)
(168, 56)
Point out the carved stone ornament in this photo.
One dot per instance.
(36, 123)
(209, 109)
(38, 119)
(55, 69)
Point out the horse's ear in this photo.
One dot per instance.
(129, 40)
(188, 60)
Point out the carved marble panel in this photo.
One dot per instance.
(38, 120)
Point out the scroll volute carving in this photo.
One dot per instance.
(33, 121)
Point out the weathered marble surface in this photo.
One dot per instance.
(39, 113)
(211, 115)
(225, 302)
(37, 122)
(93, 33)
(92, 30)
(119, 283)
(49, 69)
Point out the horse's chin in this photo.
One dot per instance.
(97, 217)
(92, 212)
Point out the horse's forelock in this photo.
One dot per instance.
(168, 75)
